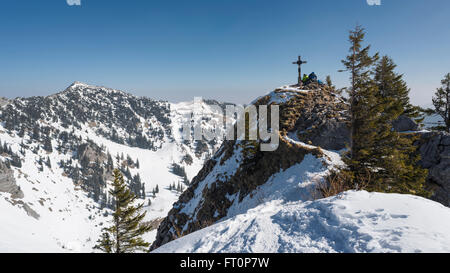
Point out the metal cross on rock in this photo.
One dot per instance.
(299, 62)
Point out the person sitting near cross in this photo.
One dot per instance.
(305, 78)
(313, 77)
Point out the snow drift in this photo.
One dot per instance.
(350, 222)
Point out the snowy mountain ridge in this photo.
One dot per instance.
(57, 154)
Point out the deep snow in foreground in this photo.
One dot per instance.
(350, 222)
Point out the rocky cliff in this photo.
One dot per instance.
(434, 149)
(312, 120)
(8, 183)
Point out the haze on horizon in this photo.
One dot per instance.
(226, 50)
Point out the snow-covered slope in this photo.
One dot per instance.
(350, 222)
(59, 152)
(240, 176)
(245, 200)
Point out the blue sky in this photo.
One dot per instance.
(232, 50)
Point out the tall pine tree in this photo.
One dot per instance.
(364, 108)
(124, 236)
(396, 166)
(380, 159)
(441, 101)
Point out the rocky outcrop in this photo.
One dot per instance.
(434, 149)
(404, 123)
(313, 114)
(321, 118)
(8, 183)
(20, 204)
(90, 152)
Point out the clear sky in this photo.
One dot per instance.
(231, 50)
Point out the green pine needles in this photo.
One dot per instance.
(378, 96)
(124, 236)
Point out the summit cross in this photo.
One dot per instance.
(299, 62)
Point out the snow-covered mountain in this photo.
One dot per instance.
(57, 154)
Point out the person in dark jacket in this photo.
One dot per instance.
(313, 77)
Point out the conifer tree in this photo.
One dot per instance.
(391, 86)
(143, 191)
(110, 163)
(334, 89)
(124, 235)
(105, 243)
(364, 108)
(328, 81)
(376, 150)
(48, 145)
(441, 101)
(48, 163)
(396, 165)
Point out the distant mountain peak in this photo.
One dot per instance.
(79, 84)
(88, 88)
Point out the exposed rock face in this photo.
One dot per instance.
(239, 167)
(404, 123)
(8, 183)
(322, 118)
(435, 152)
(19, 203)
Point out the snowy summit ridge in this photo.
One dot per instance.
(245, 200)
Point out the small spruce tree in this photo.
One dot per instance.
(124, 236)
(329, 82)
(48, 163)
